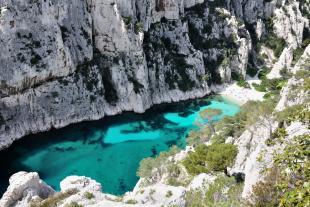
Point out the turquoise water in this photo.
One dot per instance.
(108, 150)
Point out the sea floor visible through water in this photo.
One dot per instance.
(108, 150)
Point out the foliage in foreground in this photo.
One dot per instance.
(287, 183)
(298, 112)
(216, 157)
(224, 192)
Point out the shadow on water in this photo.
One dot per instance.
(114, 165)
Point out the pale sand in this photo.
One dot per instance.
(238, 94)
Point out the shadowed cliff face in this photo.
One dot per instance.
(65, 62)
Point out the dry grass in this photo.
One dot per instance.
(54, 200)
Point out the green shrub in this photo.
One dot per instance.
(278, 135)
(263, 73)
(223, 192)
(54, 200)
(294, 113)
(235, 126)
(210, 115)
(251, 71)
(259, 87)
(267, 95)
(131, 201)
(216, 157)
(89, 195)
(243, 83)
(73, 204)
(287, 182)
(147, 165)
(127, 20)
(240, 80)
(301, 74)
(270, 85)
(169, 194)
(265, 193)
(275, 43)
(138, 27)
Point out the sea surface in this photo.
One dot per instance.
(108, 150)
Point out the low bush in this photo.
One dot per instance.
(73, 204)
(224, 191)
(259, 87)
(243, 83)
(263, 73)
(89, 195)
(54, 200)
(275, 43)
(147, 165)
(287, 182)
(265, 192)
(169, 194)
(277, 136)
(131, 201)
(138, 27)
(294, 113)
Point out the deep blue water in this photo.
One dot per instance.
(108, 150)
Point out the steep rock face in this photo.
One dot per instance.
(254, 155)
(66, 62)
(41, 40)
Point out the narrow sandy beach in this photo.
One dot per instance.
(238, 94)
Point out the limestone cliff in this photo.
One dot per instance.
(63, 62)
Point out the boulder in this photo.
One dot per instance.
(23, 188)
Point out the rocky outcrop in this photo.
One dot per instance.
(255, 155)
(303, 62)
(23, 188)
(289, 24)
(79, 183)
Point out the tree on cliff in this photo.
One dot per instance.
(210, 116)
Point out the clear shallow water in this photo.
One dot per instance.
(108, 150)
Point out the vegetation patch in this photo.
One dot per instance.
(89, 195)
(224, 191)
(54, 200)
(73, 204)
(148, 165)
(169, 194)
(216, 157)
(287, 182)
(131, 201)
(275, 43)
